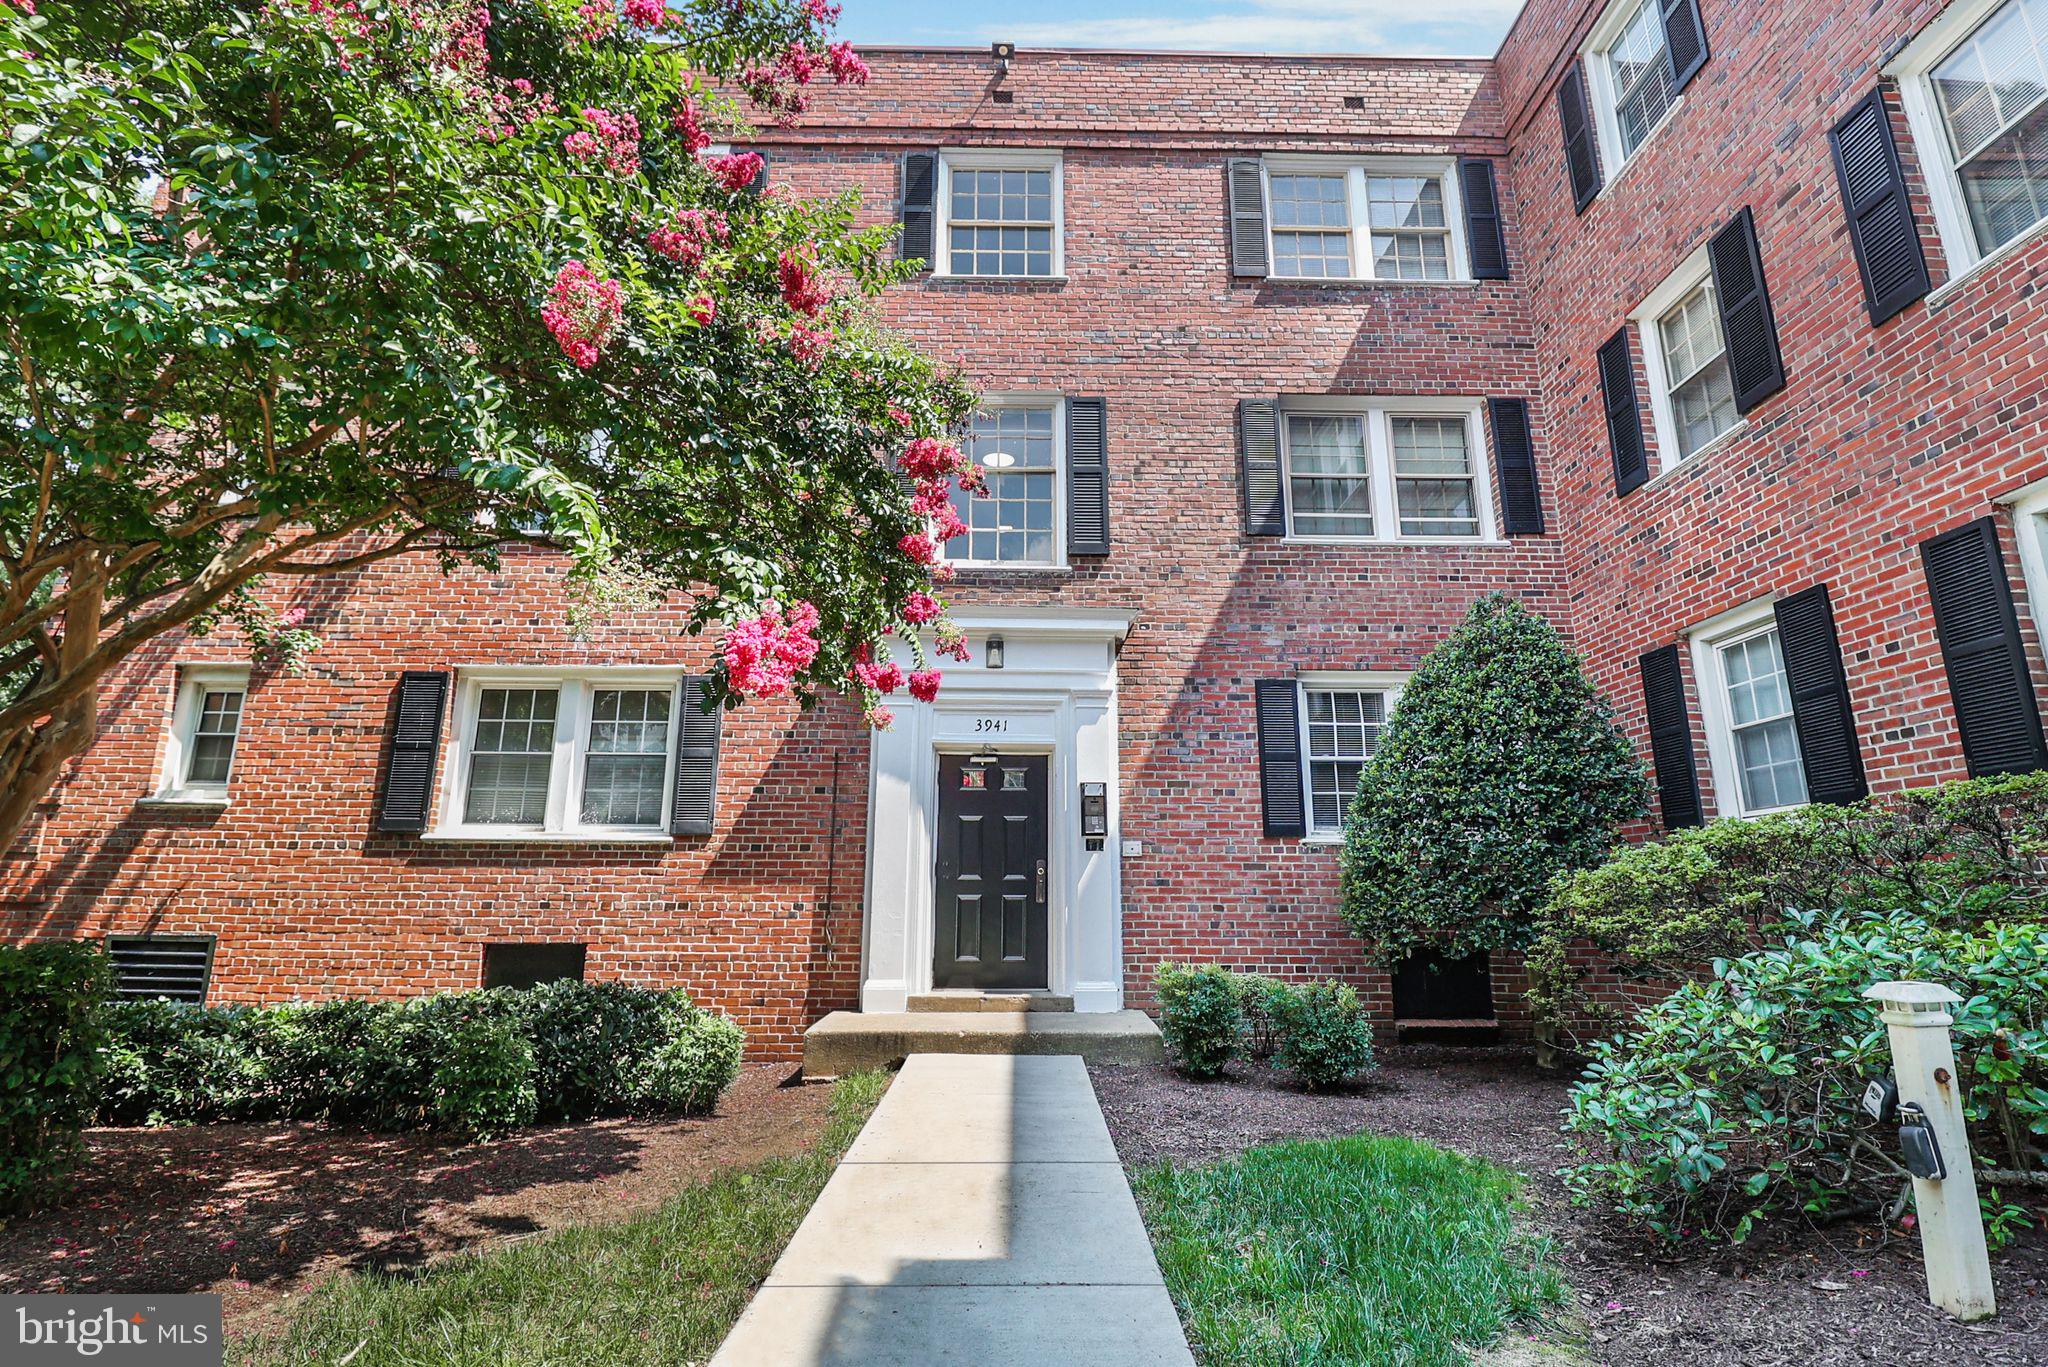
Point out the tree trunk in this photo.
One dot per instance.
(36, 754)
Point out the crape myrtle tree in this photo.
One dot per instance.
(288, 288)
(1500, 768)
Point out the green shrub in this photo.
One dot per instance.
(1200, 1017)
(1324, 1038)
(1737, 1099)
(1500, 767)
(1663, 911)
(1255, 993)
(479, 1063)
(686, 1073)
(51, 1019)
(483, 1084)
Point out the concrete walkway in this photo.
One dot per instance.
(981, 1217)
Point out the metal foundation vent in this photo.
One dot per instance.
(151, 966)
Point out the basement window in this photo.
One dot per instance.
(173, 967)
(530, 965)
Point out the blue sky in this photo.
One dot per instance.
(1465, 28)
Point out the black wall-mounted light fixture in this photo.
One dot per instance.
(1002, 52)
(992, 652)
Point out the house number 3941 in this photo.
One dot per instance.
(982, 724)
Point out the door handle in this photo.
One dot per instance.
(1041, 880)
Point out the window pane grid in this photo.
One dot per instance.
(1433, 477)
(1766, 743)
(1702, 393)
(626, 765)
(213, 736)
(1311, 226)
(1992, 97)
(1343, 729)
(1000, 222)
(1013, 524)
(1329, 475)
(1641, 76)
(1410, 237)
(511, 757)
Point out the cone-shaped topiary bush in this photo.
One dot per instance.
(1500, 768)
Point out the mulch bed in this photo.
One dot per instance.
(261, 1212)
(1815, 1298)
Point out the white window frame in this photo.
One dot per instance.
(1378, 411)
(1913, 69)
(1356, 172)
(1601, 92)
(571, 746)
(2030, 507)
(1650, 337)
(1336, 681)
(193, 684)
(1707, 640)
(998, 159)
(1056, 404)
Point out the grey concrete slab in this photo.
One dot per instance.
(849, 1041)
(971, 1224)
(986, 1326)
(980, 1217)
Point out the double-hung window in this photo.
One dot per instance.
(206, 724)
(1692, 394)
(1341, 720)
(1386, 219)
(1001, 214)
(1385, 470)
(1750, 731)
(553, 753)
(1975, 85)
(1629, 78)
(1016, 443)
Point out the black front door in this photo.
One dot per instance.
(991, 872)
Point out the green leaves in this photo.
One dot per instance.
(1500, 767)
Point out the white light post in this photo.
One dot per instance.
(1951, 1226)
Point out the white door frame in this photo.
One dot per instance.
(1055, 696)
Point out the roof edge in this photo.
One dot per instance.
(1182, 54)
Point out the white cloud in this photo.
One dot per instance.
(1378, 27)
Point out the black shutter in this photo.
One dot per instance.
(920, 182)
(1747, 328)
(1624, 414)
(1514, 451)
(1988, 679)
(1881, 227)
(1280, 758)
(1258, 449)
(1247, 217)
(693, 804)
(760, 181)
(1087, 477)
(1678, 777)
(1820, 697)
(415, 745)
(1581, 153)
(1485, 240)
(1685, 41)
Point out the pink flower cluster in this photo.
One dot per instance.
(513, 108)
(823, 12)
(920, 608)
(808, 344)
(803, 287)
(847, 67)
(598, 17)
(780, 87)
(736, 170)
(343, 20)
(582, 311)
(614, 137)
(685, 122)
(462, 47)
(937, 469)
(703, 309)
(647, 14)
(764, 656)
(687, 236)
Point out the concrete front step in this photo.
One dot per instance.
(850, 1041)
(1455, 1032)
(989, 1001)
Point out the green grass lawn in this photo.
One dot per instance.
(663, 1288)
(1361, 1251)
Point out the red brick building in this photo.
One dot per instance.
(1709, 330)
